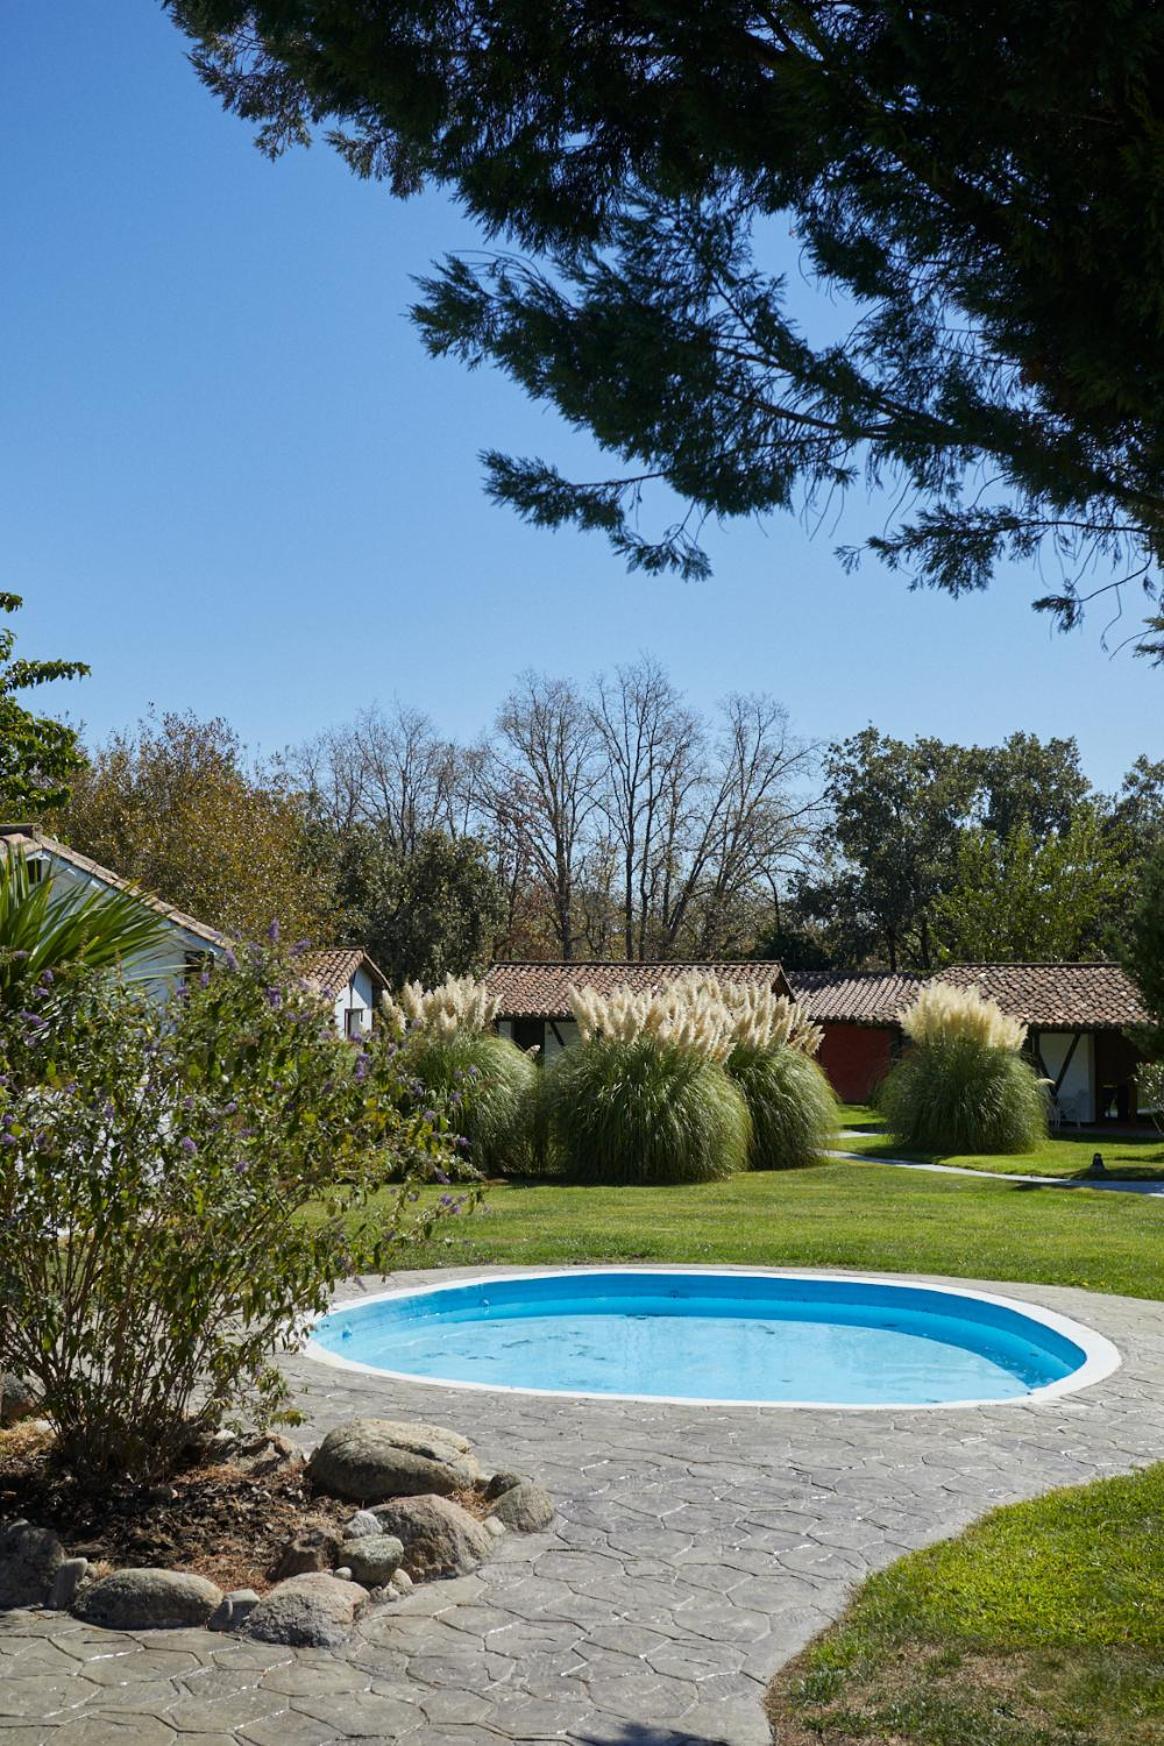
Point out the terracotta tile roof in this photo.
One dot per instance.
(1086, 996)
(854, 997)
(541, 990)
(33, 841)
(332, 968)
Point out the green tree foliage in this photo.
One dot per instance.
(421, 912)
(896, 811)
(1018, 898)
(1144, 950)
(937, 851)
(1139, 805)
(1032, 782)
(47, 930)
(979, 186)
(179, 1188)
(38, 757)
(173, 806)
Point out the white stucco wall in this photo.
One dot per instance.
(1079, 1080)
(359, 998)
(164, 966)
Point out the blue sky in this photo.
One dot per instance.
(233, 482)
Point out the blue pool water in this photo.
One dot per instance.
(708, 1336)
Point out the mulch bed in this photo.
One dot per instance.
(225, 1521)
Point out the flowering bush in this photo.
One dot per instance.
(963, 1086)
(180, 1189)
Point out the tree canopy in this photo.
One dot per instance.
(173, 806)
(979, 186)
(433, 910)
(38, 756)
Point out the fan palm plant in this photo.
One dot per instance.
(45, 927)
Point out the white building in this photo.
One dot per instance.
(348, 979)
(353, 984)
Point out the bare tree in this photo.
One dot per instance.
(392, 771)
(706, 826)
(542, 790)
(756, 820)
(650, 747)
(619, 822)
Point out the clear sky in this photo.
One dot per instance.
(233, 482)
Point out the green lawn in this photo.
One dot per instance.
(1138, 1157)
(860, 1115)
(1043, 1625)
(836, 1214)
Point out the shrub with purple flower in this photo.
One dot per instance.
(180, 1188)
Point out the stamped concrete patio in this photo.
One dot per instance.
(695, 1550)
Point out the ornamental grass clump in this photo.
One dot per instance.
(760, 1041)
(181, 1188)
(793, 1110)
(488, 1082)
(642, 1110)
(963, 1086)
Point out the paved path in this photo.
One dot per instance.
(696, 1549)
(1117, 1185)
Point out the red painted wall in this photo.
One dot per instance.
(855, 1058)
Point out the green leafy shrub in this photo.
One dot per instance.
(180, 1188)
(489, 1085)
(962, 1086)
(642, 1111)
(791, 1103)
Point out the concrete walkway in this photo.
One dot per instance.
(696, 1549)
(1116, 1185)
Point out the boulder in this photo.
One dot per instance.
(373, 1559)
(311, 1549)
(525, 1507)
(67, 1579)
(313, 1611)
(29, 1560)
(439, 1537)
(401, 1582)
(501, 1483)
(18, 1400)
(369, 1460)
(148, 1600)
(269, 1453)
(361, 1525)
(234, 1611)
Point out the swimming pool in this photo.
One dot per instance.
(717, 1336)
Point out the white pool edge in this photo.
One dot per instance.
(1101, 1358)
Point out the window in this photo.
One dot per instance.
(37, 870)
(354, 1023)
(529, 1033)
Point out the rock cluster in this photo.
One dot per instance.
(410, 1528)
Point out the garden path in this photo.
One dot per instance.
(1115, 1185)
(695, 1550)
